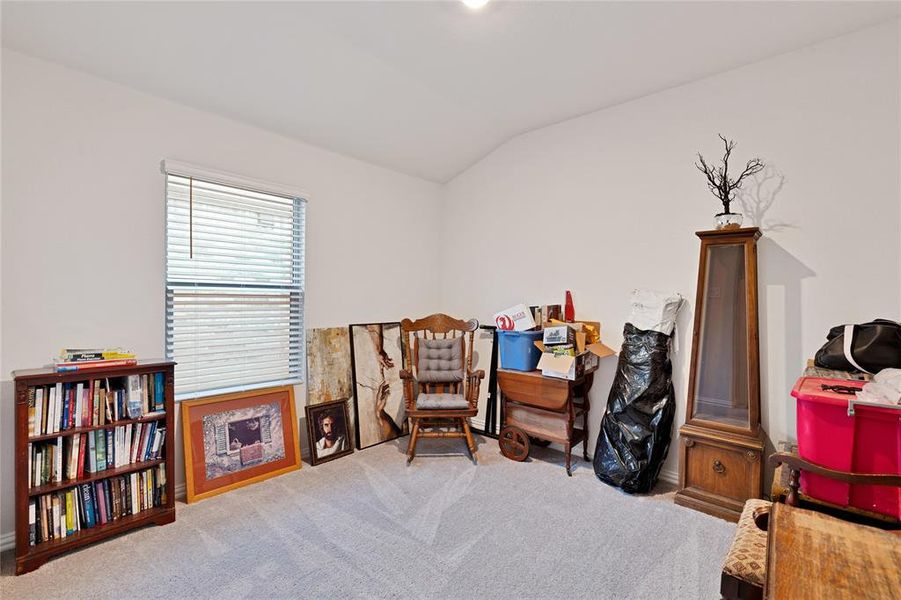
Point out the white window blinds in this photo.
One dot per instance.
(234, 286)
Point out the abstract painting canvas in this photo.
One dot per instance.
(328, 365)
(377, 359)
(329, 375)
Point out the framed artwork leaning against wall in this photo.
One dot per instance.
(237, 439)
(329, 376)
(376, 360)
(328, 425)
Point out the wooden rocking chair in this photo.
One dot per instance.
(440, 389)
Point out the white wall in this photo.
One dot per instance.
(609, 202)
(83, 222)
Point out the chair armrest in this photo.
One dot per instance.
(409, 382)
(474, 381)
(796, 464)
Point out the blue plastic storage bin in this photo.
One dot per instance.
(518, 351)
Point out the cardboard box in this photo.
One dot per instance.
(515, 318)
(558, 334)
(561, 349)
(567, 367)
(591, 330)
(586, 360)
(585, 333)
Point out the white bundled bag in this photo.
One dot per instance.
(655, 311)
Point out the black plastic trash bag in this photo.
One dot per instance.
(637, 426)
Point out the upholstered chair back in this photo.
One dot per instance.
(439, 361)
(439, 352)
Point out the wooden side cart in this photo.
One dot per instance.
(545, 408)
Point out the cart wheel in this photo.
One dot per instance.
(514, 443)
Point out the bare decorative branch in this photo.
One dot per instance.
(718, 180)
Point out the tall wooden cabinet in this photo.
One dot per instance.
(721, 444)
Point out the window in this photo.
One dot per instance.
(234, 283)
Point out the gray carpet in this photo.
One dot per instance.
(368, 526)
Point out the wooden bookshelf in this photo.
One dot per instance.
(28, 557)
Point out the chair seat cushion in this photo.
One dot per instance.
(441, 401)
(746, 559)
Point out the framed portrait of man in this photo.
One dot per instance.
(327, 425)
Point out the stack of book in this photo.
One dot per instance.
(83, 359)
(60, 514)
(55, 408)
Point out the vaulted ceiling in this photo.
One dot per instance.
(425, 88)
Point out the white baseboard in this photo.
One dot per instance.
(669, 477)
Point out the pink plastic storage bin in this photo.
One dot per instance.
(866, 441)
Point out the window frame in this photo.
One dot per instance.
(297, 287)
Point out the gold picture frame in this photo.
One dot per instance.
(234, 440)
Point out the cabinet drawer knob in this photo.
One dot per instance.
(718, 466)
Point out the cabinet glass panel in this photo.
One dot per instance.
(721, 390)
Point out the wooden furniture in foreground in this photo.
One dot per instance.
(787, 488)
(745, 565)
(815, 556)
(440, 388)
(721, 450)
(30, 557)
(545, 408)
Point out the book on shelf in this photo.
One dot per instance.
(56, 515)
(94, 402)
(58, 461)
(94, 364)
(32, 522)
(135, 399)
(55, 512)
(70, 458)
(94, 354)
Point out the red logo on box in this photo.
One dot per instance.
(504, 322)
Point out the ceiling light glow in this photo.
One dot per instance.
(474, 4)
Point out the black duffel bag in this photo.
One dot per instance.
(868, 347)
